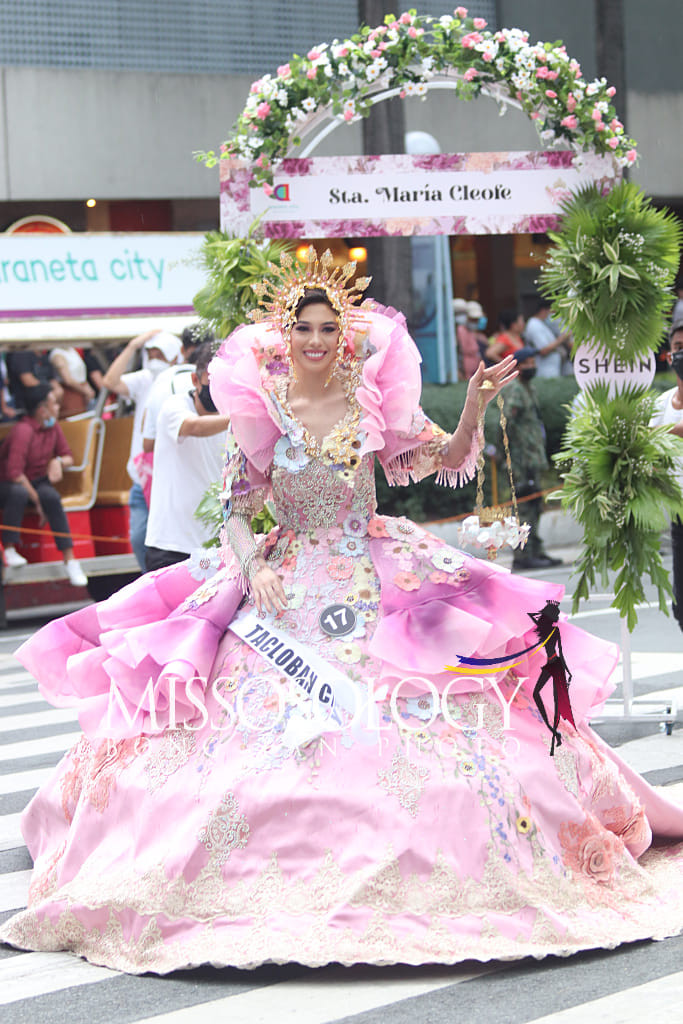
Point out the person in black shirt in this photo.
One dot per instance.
(27, 369)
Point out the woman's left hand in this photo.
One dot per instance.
(487, 382)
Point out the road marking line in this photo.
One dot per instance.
(657, 1002)
(321, 997)
(14, 889)
(43, 745)
(36, 719)
(17, 782)
(36, 974)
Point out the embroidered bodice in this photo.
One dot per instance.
(326, 484)
(318, 495)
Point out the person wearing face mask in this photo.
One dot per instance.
(33, 458)
(188, 458)
(175, 380)
(526, 435)
(159, 351)
(669, 411)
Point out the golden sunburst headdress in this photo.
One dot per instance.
(280, 296)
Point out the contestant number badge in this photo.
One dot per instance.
(337, 620)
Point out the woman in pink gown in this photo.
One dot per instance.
(294, 775)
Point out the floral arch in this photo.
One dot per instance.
(409, 56)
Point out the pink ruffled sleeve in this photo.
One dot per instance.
(408, 444)
(238, 391)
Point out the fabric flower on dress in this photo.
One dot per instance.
(349, 653)
(588, 849)
(359, 630)
(355, 525)
(340, 568)
(460, 576)
(447, 559)
(597, 859)
(407, 580)
(438, 577)
(421, 707)
(287, 456)
(204, 563)
(364, 572)
(351, 547)
(377, 527)
(399, 529)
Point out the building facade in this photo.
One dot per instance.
(107, 100)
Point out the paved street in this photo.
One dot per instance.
(636, 983)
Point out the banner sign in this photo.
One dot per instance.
(447, 194)
(52, 275)
(595, 366)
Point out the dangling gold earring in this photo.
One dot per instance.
(338, 358)
(290, 360)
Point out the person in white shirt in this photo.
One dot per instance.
(160, 350)
(188, 458)
(549, 347)
(669, 410)
(175, 380)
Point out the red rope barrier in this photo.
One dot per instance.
(502, 504)
(73, 536)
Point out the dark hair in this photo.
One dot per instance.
(675, 328)
(543, 304)
(35, 396)
(508, 317)
(309, 298)
(202, 357)
(195, 335)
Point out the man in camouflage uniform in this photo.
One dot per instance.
(526, 435)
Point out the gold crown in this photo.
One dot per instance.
(279, 297)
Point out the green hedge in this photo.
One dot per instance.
(443, 404)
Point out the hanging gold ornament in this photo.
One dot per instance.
(494, 526)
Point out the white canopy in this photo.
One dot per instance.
(86, 331)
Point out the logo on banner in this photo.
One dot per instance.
(281, 192)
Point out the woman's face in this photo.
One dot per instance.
(314, 339)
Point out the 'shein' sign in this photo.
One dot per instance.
(448, 194)
(595, 366)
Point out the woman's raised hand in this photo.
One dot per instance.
(487, 382)
(268, 591)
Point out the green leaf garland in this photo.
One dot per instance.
(621, 486)
(611, 270)
(233, 265)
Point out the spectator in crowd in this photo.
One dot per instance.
(97, 360)
(188, 458)
(526, 435)
(677, 312)
(159, 350)
(177, 379)
(8, 410)
(476, 322)
(669, 410)
(27, 369)
(509, 338)
(72, 373)
(32, 460)
(466, 341)
(549, 346)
